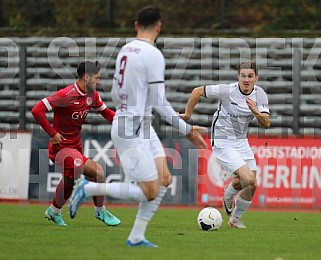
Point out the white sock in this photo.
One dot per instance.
(137, 233)
(146, 211)
(230, 191)
(99, 209)
(118, 190)
(241, 206)
(55, 210)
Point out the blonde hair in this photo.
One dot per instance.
(248, 65)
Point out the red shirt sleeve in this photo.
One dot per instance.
(39, 113)
(108, 114)
(102, 109)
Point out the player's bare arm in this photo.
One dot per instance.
(263, 119)
(192, 101)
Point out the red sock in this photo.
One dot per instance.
(99, 201)
(62, 195)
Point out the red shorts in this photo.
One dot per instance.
(69, 160)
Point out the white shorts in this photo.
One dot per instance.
(137, 154)
(232, 154)
(156, 145)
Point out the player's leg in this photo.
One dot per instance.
(229, 194)
(147, 209)
(62, 193)
(230, 159)
(244, 198)
(147, 192)
(69, 161)
(139, 166)
(158, 152)
(133, 161)
(238, 157)
(144, 191)
(95, 172)
(164, 175)
(135, 168)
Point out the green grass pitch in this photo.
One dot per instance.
(26, 234)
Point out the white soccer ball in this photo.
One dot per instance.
(209, 219)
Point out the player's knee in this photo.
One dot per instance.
(253, 185)
(152, 194)
(252, 179)
(248, 179)
(167, 180)
(100, 174)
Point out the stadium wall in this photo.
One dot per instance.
(289, 71)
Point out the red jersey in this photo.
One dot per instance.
(70, 106)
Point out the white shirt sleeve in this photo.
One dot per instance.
(263, 102)
(156, 81)
(164, 108)
(219, 90)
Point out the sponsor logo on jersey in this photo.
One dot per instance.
(80, 114)
(240, 116)
(89, 101)
(77, 162)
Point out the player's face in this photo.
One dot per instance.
(92, 81)
(247, 79)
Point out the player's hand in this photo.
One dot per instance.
(184, 116)
(252, 106)
(58, 138)
(196, 138)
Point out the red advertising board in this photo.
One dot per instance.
(288, 174)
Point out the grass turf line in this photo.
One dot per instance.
(26, 234)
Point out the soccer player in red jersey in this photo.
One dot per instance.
(71, 106)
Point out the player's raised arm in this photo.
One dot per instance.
(192, 101)
(263, 118)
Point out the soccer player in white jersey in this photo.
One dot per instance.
(239, 103)
(138, 87)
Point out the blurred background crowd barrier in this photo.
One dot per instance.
(289, 71)
(32, 68)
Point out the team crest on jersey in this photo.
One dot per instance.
(89, 101)
(77, 162)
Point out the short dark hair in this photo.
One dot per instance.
(248, 65)
(88, 67)
(148, 15)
